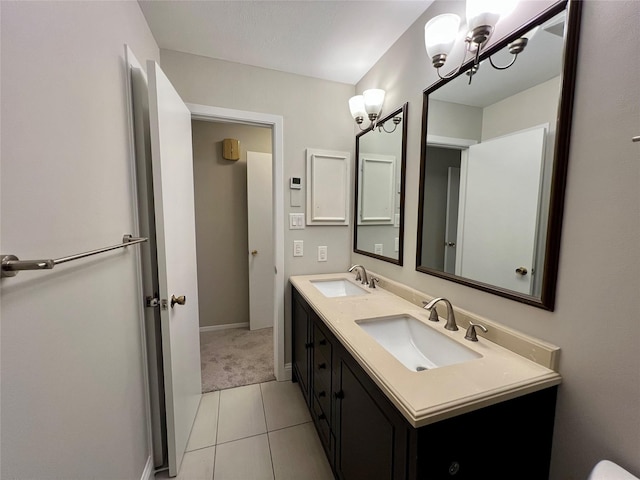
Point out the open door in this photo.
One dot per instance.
(172, 166)
(260, 233)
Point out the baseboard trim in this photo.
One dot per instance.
(147, 473)
(287, 372)
(215, 328)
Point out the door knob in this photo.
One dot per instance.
(181, 300)
(254, 252)
(521, 271)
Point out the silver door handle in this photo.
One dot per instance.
(521, 271)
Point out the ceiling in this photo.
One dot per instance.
(332, 40)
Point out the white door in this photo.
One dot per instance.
(171, 152)
(451, 219)
(499, 209)
(261, 259)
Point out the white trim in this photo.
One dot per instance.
(147, 473)
(287, 372)
(449, 142)
(276, 122)
(227, 326)
(132, 62)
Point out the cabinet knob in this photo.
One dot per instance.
(322, 394)
(339, 395)
(454, 468)
(323, 342)
(308, 345)
(322, 416)
(322, 366)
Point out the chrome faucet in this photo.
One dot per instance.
(361, 273)
(433, 314)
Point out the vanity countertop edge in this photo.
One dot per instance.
(428, 396)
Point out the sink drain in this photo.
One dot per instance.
(421, 368)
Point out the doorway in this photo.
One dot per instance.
(273, 124)
(233, 196)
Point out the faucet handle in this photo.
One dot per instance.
(471, 331)
(433, 313)
(373, 281)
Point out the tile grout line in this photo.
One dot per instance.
(215, 442)
(264, 411)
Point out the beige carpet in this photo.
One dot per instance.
(235, 357)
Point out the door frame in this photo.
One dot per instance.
(275, 122)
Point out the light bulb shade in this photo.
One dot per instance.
(356, 105)
(440, 34)
(487, 12)
(373, 100)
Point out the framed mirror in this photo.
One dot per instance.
(494, 163)
(379, 188)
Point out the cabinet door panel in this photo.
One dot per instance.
(301, 344)
(366, 438)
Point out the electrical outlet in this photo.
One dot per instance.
(397, 244)
(377, 248)
(322, 254)
(298, 248)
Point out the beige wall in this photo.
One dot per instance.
(316, 115)
(73, 398)
(596, 321)
(220, 188)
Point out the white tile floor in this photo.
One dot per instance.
(255, 432)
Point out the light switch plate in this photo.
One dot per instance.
(322, 254)
(298, 248)
(377, 248)
(397, 244)
(296, 221)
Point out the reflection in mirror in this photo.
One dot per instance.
(379, 196)
(494, 165)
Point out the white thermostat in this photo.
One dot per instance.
(295, 183)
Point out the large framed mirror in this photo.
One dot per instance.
(379, 188)
(494, 164)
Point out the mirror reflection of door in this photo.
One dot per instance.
(499, 204)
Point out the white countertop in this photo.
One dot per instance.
(431, 395)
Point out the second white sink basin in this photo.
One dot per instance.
(416, 345)
(338, 288)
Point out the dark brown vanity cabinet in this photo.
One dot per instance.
(366, 437)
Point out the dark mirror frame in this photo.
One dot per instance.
(403, 173)
(561, 156)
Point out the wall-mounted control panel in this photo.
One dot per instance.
(295, 186)
(298, 248)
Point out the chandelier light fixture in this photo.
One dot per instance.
(440, 34)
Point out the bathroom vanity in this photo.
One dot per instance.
(488, 417)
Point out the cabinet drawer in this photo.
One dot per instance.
(321, 374)
(322, 422)
(323, 397)
(321, 343)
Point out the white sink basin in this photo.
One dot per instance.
(338, 288)
(416, 345)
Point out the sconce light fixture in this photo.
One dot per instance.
(482, 16)
(369, 104)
